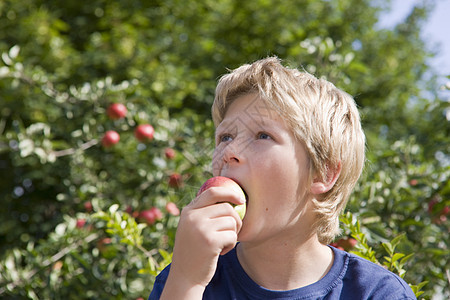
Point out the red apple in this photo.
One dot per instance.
(175, 180)
(110, 138)
(150, 216)
(413, 182)
(58, 265)
(81, 223)
(116, 111)
(129, 210)
(106, 241)
(172, 209)
(335, 245)
(228, 183)
(347, 243)
(102, 244)
(144, 132)
(88, 206)
(170, 153)
(431, 204)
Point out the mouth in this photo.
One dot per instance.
(246, 197)
(245, 192)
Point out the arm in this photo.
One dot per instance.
(208, 227)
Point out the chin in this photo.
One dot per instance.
(244, 235)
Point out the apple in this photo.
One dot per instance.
(170, 153)
(102, 244)
(116, 111)
(150, 216)
(110, 138)
(144, 132)
(175, 180)
(413, 182)
(228, 183)
(58, 265)
(347, 243)
(88, 206)
(129, 210)
(431, 205)
(80, 223)
(335, 245)
(172, 209)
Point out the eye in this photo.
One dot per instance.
(263, 136)
(225, 138)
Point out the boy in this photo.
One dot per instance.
(295, 145)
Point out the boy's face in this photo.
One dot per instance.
(256, 148)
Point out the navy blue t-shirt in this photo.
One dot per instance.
(350, 277)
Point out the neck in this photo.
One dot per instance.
(285, 265)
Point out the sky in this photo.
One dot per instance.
(436, 31)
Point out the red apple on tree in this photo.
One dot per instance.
(88, 206)
(170, 153)
(110, 138)
(102, 243)
(80, 223)
(144, 132)
(413, 182)
(336, 245)
(175, 180)
(172, 209)
(116, 111)
(228, 183)
(347, 243)
(150, 216)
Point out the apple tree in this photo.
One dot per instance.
(105, 133)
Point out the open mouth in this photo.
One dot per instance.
(245, 193)
(246, 197)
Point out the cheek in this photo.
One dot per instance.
(284, 176)
(277, 176)
(216, 163)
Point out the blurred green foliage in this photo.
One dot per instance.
(70, 208)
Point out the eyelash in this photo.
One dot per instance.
(222, 136)
(258, 136)
(263, 133)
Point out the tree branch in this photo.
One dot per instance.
(71, 151)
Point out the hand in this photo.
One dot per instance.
(208, 227)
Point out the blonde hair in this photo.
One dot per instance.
(321, 116)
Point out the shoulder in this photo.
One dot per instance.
(371, 280)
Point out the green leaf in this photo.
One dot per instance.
(397, 256)
(406, 258)
(395, 241)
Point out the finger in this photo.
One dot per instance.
(223, 241)
(223, 223)
(229, 239)
(223, 210)
(215, 195)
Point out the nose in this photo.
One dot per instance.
(225, 157)
(231, 154)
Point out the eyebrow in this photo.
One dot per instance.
(268, 124)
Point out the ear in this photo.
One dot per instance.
(321, 186)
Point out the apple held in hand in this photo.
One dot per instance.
(228, 183)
